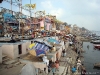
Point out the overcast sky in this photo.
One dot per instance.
(84, 13)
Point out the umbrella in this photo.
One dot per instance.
(54, 42)
(31, 45)
(51, 40)
(47, 43)
(32, 52)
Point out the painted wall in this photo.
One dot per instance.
(27, 45)
(12, 50)
(42, 25)
(8, 50)
(15, 50)
(0, 54)
(62, 43)
(59, 53)
(24, 49)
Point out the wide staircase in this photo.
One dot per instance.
(9, 62)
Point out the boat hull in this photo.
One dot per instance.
(97, 46)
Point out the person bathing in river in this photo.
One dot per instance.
(88, 46)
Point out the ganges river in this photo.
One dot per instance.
(91, 56)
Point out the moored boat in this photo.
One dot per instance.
(97, 65)
(96, 42)
(97, 46)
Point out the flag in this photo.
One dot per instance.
(33, 6)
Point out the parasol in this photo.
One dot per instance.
(51, 40)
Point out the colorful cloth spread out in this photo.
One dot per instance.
(39, 48)
(46, 48)
(31, 45)
(32, 52)
(40, 52)
(42, 48)
(36, 45)
(39, 45)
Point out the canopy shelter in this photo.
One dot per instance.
(54, 42)
(51, 40)
(43, 42)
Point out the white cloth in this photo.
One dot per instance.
(45, 60)
(71, 42)
(78, 65)
(79, 61)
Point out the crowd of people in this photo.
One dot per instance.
(53, 66)
(79, 67)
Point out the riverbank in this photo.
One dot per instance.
(73, 54)
(66, 63)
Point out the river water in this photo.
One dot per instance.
(91, 56)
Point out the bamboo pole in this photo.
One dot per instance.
(21, 21)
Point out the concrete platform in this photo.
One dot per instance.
(61, 71)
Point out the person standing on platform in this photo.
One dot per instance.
(53, 66)
(57, 65)
(63, 52)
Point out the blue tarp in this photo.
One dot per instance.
(9, 17)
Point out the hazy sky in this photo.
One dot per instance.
(84, 13)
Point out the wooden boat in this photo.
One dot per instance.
(97, 46)
(97, 65)
(96, 42)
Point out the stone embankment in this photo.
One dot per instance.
(69, 60)
(85, 39)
